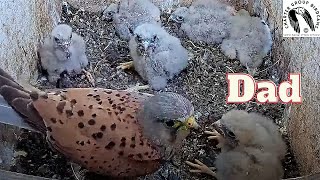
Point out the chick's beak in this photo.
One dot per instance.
(145, 45)
(192, 123)
(65, 46)
(218, 127)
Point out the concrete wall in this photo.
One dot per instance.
(99, 5)
(23, 25)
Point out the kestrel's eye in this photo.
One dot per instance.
(170, 123)
(56, 39)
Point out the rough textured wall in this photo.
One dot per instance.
(23, 24)
(304, 120)
(300, 55)
(99, 5)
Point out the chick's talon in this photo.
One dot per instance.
(217, 136)
(89, 77)
(201, 168)
(126, 65)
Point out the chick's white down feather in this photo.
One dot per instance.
(128, 14)
(55, 60)
(259, 149)
(162, 56)
(250, 40)
(204, 21)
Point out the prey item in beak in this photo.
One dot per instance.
(192, 123)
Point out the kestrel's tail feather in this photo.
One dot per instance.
(10, 116)
(16, 105)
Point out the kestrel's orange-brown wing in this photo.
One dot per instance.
(98, 129)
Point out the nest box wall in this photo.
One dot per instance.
(23, 25)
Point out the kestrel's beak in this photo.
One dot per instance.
(192, 123)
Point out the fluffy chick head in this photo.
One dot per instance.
(109, 13)
(240, 128)
(147, 37)
(62, 36)
(167, 119)
(179, 14)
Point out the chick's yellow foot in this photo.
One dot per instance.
(217, 136)
(201, 168)
(89, 77)
(126, 65)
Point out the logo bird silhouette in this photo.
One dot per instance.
(294, 20)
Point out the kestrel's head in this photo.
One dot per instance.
(167, 118)
(147, 36)
(62, 35)
(179, 14)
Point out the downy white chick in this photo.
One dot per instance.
(62, 51)
(157, 56)
(204, 21)
(251, 148)
(250, 40)
(128, 14)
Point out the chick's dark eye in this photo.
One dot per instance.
(154, 37)
(179, 18)
(138, 38)
(130, 30)
(231, 134)
(56, 39)
(169, 123)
